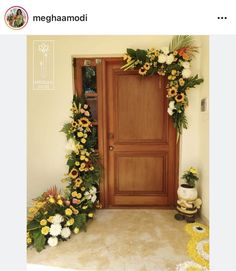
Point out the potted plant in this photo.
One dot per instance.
(187, 191)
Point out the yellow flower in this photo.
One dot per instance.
(43, 222)
(87, 153)
(193, 170)
(82, 188)
(147, 66)
(45, 230)
(27, 235)
(84, 122)
(173, 72)
(60, 202)
(86, 159)
(68, 212)
(76, 230)
(172, 92)
(180, 98)
(50, 219)
(85, 207)
(81, 169)
(29, 240)
(181, 82)
(72, 221)
(74, 173)
(90, 215)
(83, 140)
(142, 71)
(78, 182)
(82, 165)
(51, 199)
(80, 134)
(78, 195)
(77, 163)
(82, 157)
(74, 124)
(85, 135)
(74, 194)
(91, 168)
(32, 210)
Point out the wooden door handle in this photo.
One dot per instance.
(111, 148)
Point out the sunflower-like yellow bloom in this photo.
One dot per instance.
(60, 202)
(180, 98)
(142, 71)
(74, 124)
(74, 173)
(172, 92)
(29, 241)
(147, 66)
(84, 122)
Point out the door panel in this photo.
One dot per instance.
(141, 143)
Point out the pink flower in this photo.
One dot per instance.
(75, 201)
(67, 202)
(82, 110)
(86, 113)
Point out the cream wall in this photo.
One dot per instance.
(48, 110)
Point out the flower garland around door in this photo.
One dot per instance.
(54, 216)
(174, 62)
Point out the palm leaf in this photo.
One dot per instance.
(184, 42)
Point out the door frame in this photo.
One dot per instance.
(103, 132)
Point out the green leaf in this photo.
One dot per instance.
(39, 240)
(131, 52)
(32, 225)
(141, 55)
(80, 220)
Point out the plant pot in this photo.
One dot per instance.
(187, 192)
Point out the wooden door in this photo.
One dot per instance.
(141, 141)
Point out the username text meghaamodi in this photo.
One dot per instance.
(55, 18)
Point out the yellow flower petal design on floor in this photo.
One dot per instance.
(197, 230)
(190, 266)
(198, 250)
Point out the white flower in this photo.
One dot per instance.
(190, 265)
(165, 50)
(162, 58)
(171, 108)
(186, 73)
(170, 111)
(55, 229)
(186, 64)
(65, 232)
(52, 241)
(169, 59)
(57, 219)
(172, 105)
(70, 146)
(91, 194)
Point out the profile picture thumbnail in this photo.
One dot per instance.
(16, 17)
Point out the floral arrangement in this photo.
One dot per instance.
(174, 62)
(191, 176)
(54, 216)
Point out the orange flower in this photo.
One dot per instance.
(182, 52)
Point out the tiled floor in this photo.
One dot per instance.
(121, 240)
